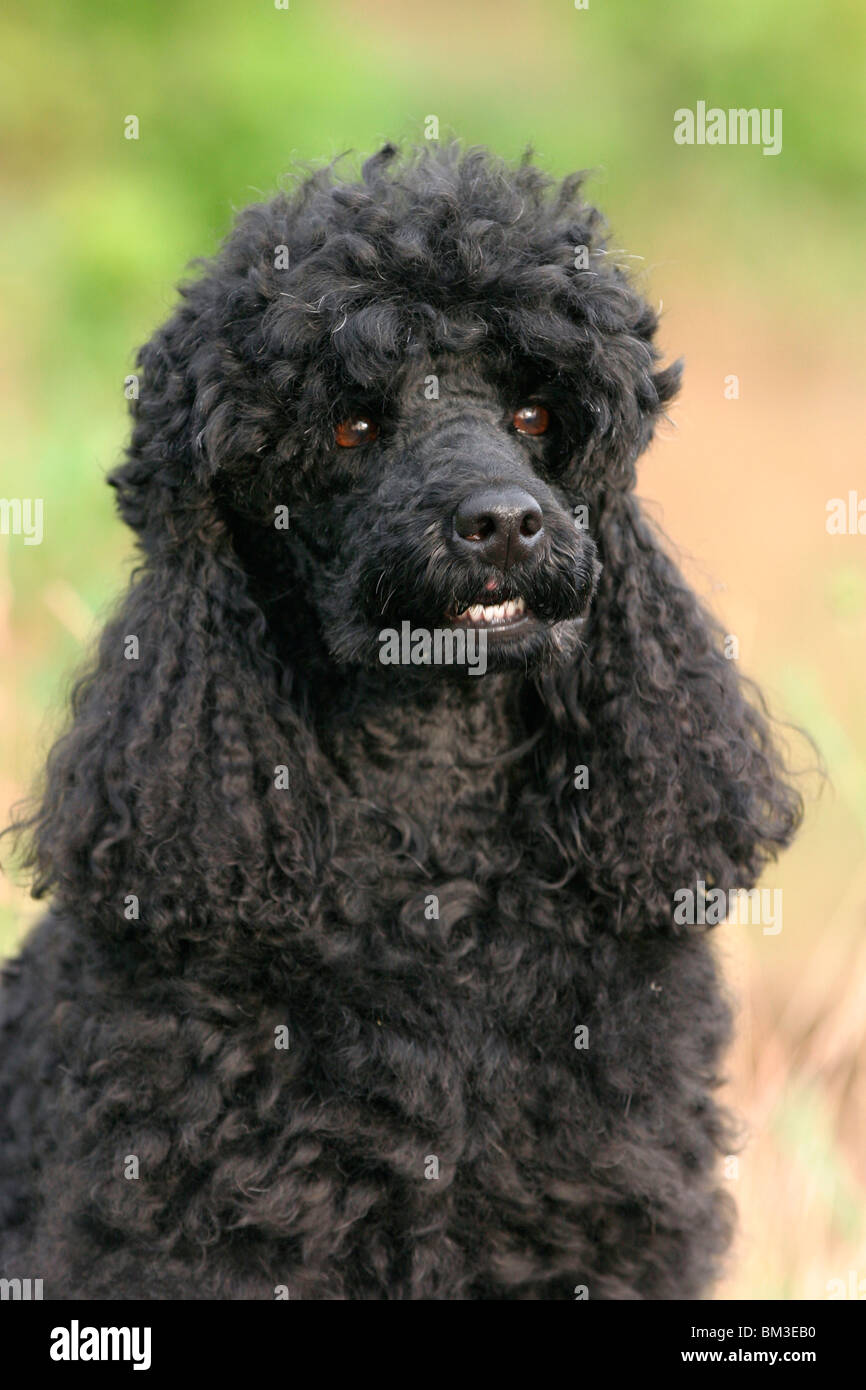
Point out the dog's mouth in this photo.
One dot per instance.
(509, 614)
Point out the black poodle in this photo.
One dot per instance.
(363, 977)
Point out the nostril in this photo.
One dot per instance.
(531, 522)
(482, 528)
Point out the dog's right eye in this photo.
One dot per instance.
(354, 431)
(531, 419)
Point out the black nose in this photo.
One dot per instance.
(499, 525)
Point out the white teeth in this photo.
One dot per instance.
(494, 612)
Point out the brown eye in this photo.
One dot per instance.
(357, 430)
(531, 419)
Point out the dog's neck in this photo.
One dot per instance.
(435, 755)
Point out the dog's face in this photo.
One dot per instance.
(435, 373)
(446, 509)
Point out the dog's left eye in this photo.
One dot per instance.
(531, 419)
(357, 430)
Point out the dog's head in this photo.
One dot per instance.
(407, 397)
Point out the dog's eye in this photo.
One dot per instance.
(354, 431)
(531, 419)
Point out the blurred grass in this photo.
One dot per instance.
(759, 262)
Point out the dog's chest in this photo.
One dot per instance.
(435, 783)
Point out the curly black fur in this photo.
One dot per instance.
(412, 1036)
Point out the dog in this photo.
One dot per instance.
(361, 977)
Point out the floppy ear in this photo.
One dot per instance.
(685, 781)
(163, 806)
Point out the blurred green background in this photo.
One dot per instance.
(759, 263)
